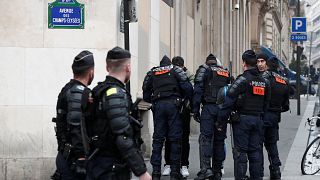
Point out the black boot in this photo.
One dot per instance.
(275, 174)
(217, 175)
(246, 178)
(175, 176)
(204, 174)
(156, 175)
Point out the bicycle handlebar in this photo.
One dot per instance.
(311, 120)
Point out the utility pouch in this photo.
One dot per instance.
(178, 102)
(234, 117)
(56, 176)
(66, 151)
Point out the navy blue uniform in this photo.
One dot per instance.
(248, 96)
(279, 102)
(185, 145)
(208, 81)
(71, 106)
(113, 139)
(164, 87)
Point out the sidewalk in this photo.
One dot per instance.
(292, 167)
(293, 138)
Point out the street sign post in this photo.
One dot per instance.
(298, 37)
(65, 14)
(299, 25)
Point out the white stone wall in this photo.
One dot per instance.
(35, 64)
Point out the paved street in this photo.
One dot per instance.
(292, 142)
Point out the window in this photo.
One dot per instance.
(169, 2)
(316, 21)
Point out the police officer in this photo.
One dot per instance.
(279, 103)
(71, 106)
(185, 117)
(262, 67)
(262, 62)
(249, 97)
(208, 80)
(114, 151)
(165, 86)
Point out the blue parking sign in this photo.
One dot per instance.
(299, 25)
(299, 37)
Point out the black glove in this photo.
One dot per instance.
(196, 117)
(81, 167)
(220, 125)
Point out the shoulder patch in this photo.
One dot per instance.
(80, 87)
(220, 71)
(111, 91)
(162, 70)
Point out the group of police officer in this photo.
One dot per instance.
(98, 131)
(252, 104)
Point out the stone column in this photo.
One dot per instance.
(177, 27)
(197, 35)
(183, 30)
(255, 24)
(149, 51)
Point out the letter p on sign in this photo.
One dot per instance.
(299, 25)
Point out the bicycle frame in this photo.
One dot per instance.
(311, 123)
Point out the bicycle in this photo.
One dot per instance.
(310, 163)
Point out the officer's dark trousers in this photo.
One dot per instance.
(167, 124)
(63, 167)
(247, 135)
(271, 136)
(106, 168)
(185, 117)
(211, 141)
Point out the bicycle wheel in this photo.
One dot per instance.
(310, 163)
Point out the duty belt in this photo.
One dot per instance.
(250, 113)
(176, 100)
(208, 103)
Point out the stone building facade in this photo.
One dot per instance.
(313, 17)
(36, 61)
(273, 27)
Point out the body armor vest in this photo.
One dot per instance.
(165, 84)
(279, 88)
(252, 101)
(98, 128)
(217, 78)
(62, 126)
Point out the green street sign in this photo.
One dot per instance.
(65, 14)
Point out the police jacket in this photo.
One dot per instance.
(251, 93)
(208, 81)
(112, 128)
(279, 101)
(71, 107)
(165, 82)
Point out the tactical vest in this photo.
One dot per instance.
(217, 78)
(165, 84)
(62, 126)
(252, 101)
(98, 128)
(279, 88)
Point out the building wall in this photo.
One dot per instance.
(313, 17)
(285, 39)
(35, 65)
(36, 62)
(271, 27)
